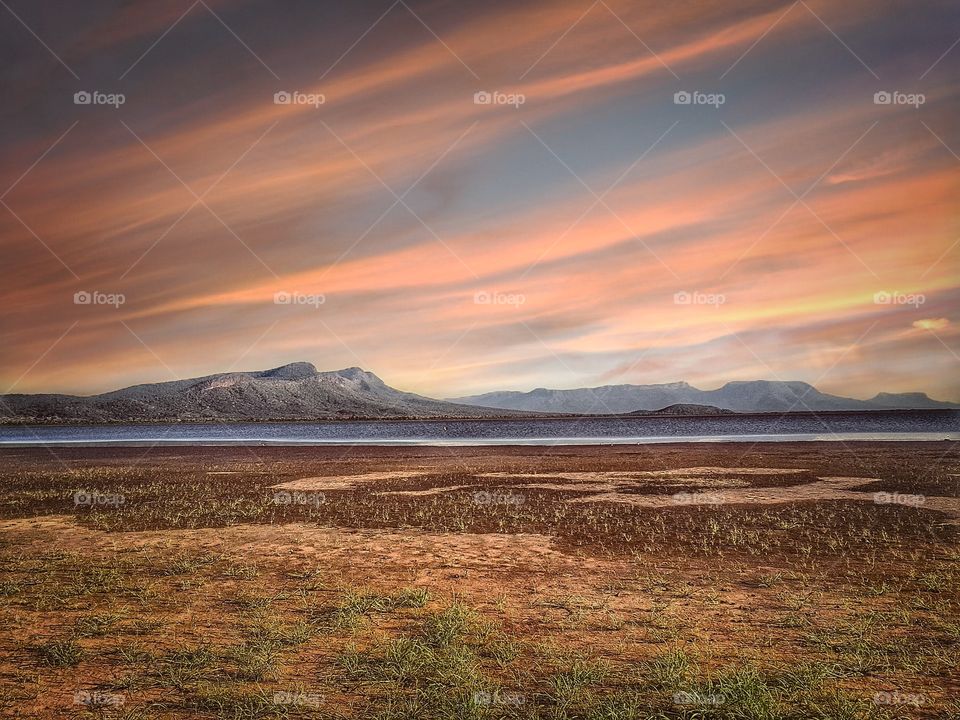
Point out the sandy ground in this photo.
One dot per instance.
(613, 486)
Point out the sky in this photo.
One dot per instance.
(463, 197)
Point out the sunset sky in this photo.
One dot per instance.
(461, 247)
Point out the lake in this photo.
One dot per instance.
(904, 426)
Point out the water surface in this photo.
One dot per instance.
(841, 427)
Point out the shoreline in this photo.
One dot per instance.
(924, 437)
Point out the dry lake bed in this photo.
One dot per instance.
(698, 580)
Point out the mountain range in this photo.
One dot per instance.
(292, 392)
(300, 392)
(740, 396)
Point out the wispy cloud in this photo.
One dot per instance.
(503, 203)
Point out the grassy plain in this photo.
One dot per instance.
(804, 580)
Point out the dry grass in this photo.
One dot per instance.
(199, 597)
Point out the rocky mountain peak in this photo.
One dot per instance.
(291, 371)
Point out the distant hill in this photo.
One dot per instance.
(909, 401)
(291, 392)
(739, 396)
(686, 409)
